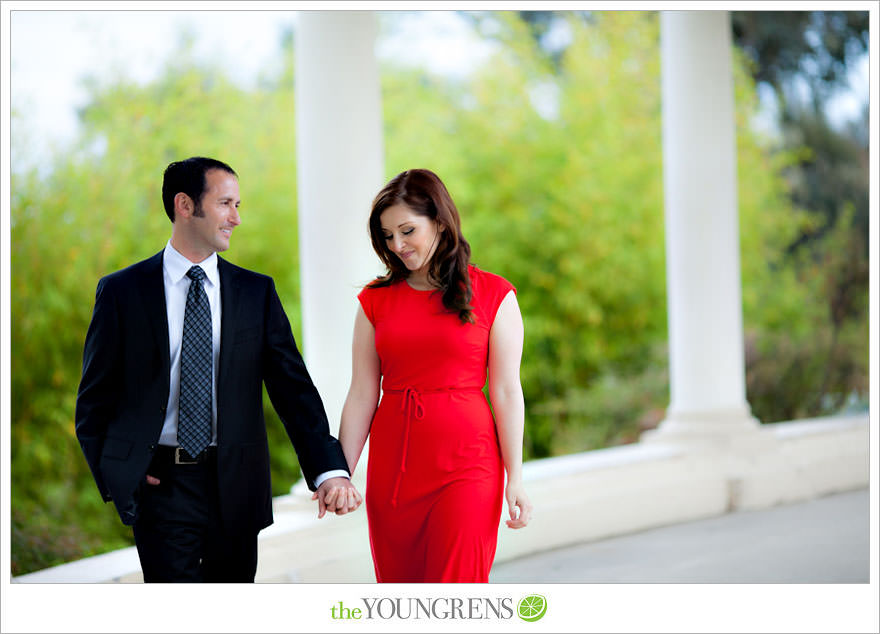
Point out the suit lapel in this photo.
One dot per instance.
(152, 297)
(230, 285)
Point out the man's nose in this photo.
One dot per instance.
(235, 218)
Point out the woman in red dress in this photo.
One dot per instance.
(427, 335)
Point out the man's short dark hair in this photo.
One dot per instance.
(188, 176)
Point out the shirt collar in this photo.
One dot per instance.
(176, 265)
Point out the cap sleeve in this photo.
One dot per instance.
(366, 298)
(503, 287)
(489, 291)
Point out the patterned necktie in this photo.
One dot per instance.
(194, 418)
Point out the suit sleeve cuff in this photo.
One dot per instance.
(336, 473)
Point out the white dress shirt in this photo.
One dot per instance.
(174, 269)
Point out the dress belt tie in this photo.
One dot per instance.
(413, 408)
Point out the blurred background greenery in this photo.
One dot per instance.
(552, 152)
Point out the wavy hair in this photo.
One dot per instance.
(422, 191)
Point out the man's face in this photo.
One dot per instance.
(217, 214)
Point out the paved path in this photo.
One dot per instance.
(820, 541)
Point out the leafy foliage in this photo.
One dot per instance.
(815, 47)
(555, 165)
(806, 56)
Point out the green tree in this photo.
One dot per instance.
(815, 48)
(806, 58)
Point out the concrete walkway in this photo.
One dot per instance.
(825, 540)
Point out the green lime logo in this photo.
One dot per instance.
(532, 607)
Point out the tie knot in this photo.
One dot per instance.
(196, 273)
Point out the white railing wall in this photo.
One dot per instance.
(578, 498)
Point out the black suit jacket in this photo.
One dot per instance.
(123, 393)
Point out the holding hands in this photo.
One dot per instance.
(337, 495)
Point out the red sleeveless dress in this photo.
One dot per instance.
(435, 476)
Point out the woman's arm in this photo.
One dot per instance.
(363, 393)
(505, 391)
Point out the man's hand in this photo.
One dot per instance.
(337, 495)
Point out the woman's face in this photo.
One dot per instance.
(410, 236)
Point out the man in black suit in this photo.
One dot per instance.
(169, 412)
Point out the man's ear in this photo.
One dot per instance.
(183, 205)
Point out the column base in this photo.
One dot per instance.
(720, 429)
(729, 443)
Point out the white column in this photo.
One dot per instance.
(339, 171)
(706, 356)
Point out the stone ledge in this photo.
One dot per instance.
(578, 498)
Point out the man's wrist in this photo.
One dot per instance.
(335, 473)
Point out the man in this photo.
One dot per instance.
(169, 412)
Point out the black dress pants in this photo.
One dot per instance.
(179, 533)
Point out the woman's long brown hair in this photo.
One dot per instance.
(422, 191)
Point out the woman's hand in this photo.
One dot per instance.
(337, 495)
(518, 504)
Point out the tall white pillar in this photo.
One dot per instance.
(706, 356)
(339, 171)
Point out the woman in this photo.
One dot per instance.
(427, 334)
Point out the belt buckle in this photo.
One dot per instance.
(179, 460)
